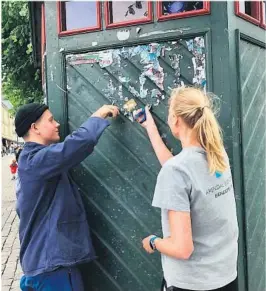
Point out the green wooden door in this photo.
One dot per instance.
(253, 101)
(118, 179)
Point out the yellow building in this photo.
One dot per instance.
(7, 124)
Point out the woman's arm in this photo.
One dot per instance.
(162, 152)
(180, 244)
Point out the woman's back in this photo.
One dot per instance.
(185, 184)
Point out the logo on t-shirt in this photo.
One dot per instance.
(218, 174)
(221, 189)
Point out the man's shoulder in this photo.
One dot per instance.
(26, 155)
(31, 149)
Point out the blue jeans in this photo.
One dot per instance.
(63, 279)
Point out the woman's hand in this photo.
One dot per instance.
(105, 111)
(146, 244)
(149, 122)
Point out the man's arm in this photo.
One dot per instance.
(60, 157)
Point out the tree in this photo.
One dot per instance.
(21, 81)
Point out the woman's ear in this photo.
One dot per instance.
(177, 121)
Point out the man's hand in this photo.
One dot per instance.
(106, 111)
(146, 244)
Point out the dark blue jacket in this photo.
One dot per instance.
(53, 228)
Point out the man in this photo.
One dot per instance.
(53, 231)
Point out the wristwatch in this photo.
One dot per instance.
(152, 242)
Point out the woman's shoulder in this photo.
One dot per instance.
(176, 164)
(176, 161)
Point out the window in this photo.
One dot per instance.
(252, 11)
(122, 13)
(180, 9)
(248, 10)
(83, 16)
(78, 17)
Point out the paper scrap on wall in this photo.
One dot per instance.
(196, 47)
(148, 72)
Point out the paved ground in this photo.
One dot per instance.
(11, 270)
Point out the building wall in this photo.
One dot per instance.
(239, 31)
(253, 114)
(123, 162)
(8, 127)
(68, 104)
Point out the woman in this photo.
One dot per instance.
(195, 193)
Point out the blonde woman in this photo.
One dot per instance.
(195, 193)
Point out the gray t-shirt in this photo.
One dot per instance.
(185, 184)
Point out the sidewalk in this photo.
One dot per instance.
(11, 270)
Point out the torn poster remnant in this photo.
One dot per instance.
(152, 68)
(147, 72)
(103, 58)
(196, 47)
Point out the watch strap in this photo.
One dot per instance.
(152, 244)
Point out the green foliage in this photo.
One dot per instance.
(21, 82)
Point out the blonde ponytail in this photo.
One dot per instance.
(196, 109)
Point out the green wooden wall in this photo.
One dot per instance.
(252, 77)
(117, 181)
(241, 29)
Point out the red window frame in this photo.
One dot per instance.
(262, 14)
(147, 19)
(43, 40)
(206, 10)
(256, 8)
(79, 30)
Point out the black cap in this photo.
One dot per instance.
(26, 115)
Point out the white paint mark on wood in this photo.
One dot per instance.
(163, 32)
(123, 34)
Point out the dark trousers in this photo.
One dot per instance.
(230, 287)
(63, 279)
